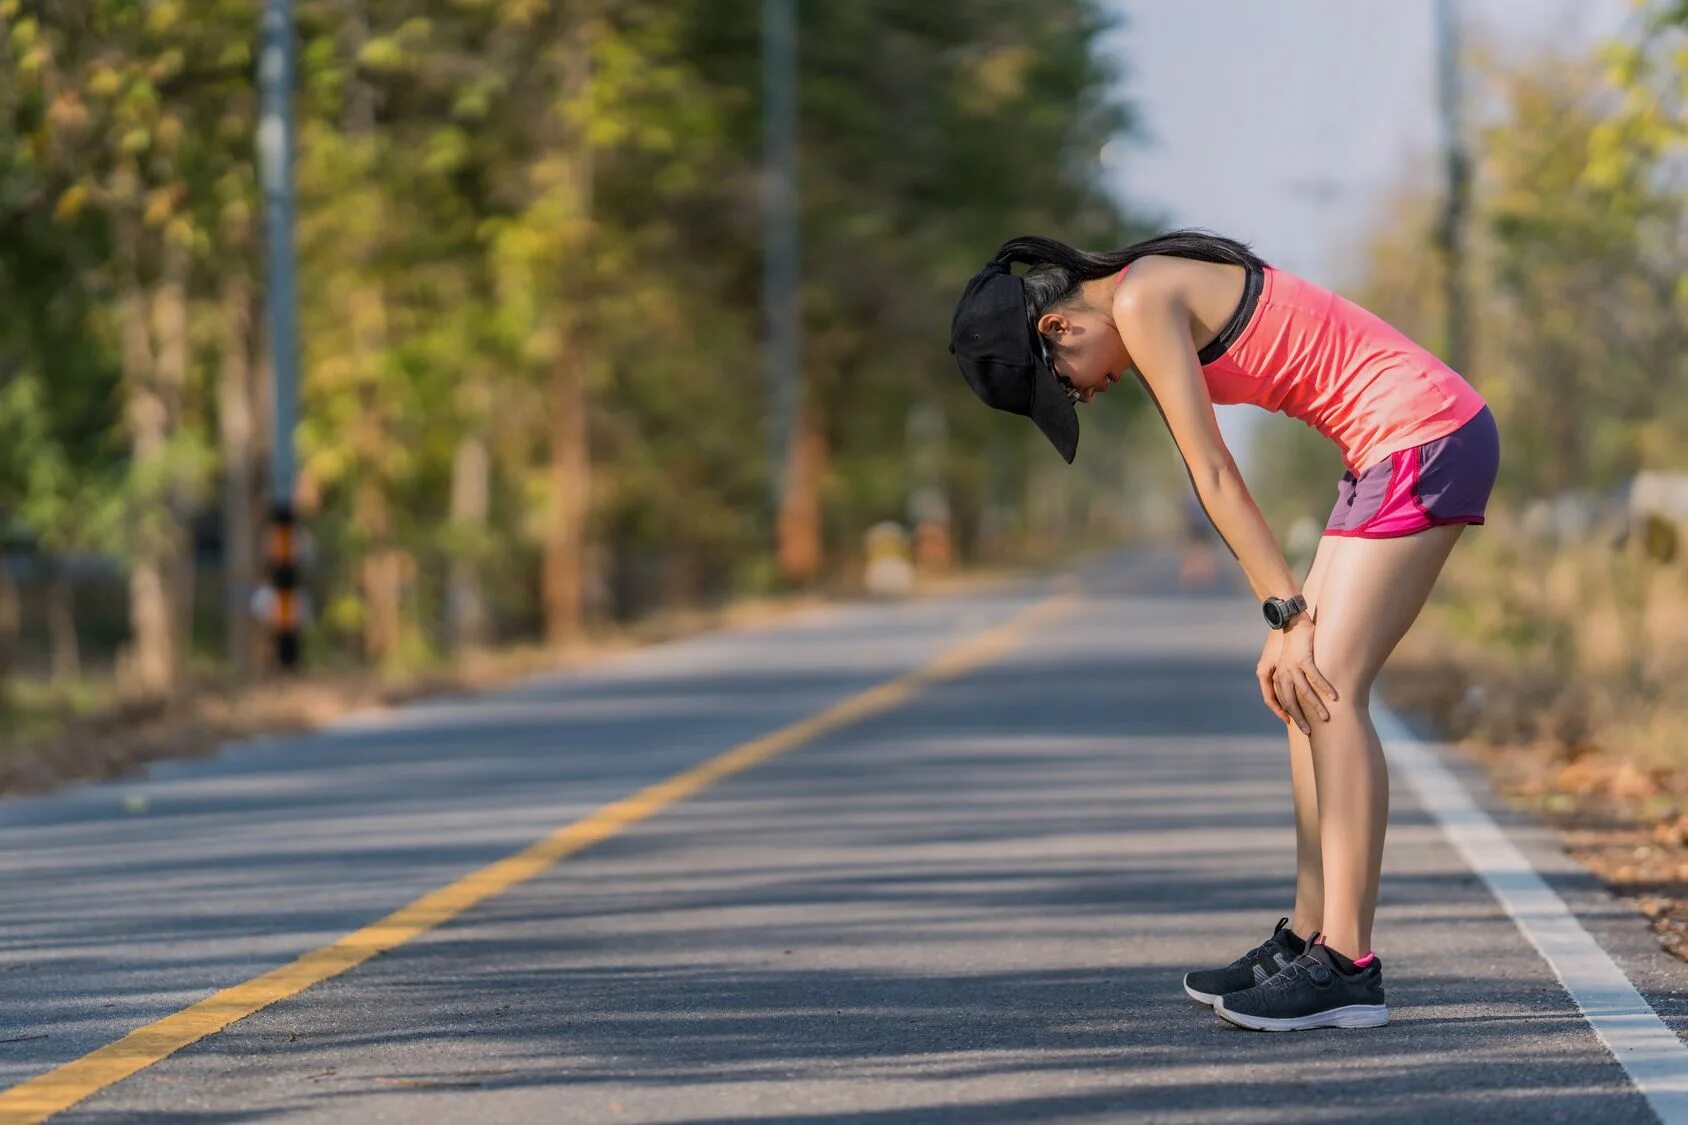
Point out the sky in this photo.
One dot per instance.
(1282, 122)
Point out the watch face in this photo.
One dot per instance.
(1273, 615)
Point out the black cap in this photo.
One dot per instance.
(994, 340)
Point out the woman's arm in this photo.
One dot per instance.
(1154, 323)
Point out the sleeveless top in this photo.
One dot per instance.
(1295, 348)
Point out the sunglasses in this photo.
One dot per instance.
(1049, 362)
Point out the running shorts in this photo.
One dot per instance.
(1446, 480)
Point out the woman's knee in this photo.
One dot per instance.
(1347, 666)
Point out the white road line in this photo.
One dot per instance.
(1654, 1058)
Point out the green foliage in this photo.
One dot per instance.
(1578, 255)
(489, 189)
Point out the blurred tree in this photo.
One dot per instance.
(529, 292)
(66, 489)
(1579, 254)
(1639, 155)
(1580, 299)
(117, 109)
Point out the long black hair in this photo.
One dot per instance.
(1057, 269)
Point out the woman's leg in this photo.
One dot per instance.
(1309, 911)
(1369, 597)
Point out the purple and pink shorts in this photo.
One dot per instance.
(1446, 480)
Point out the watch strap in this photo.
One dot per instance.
(1288, 606)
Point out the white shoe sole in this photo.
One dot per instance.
(1207, 998)
(1351, 1015)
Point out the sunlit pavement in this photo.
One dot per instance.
(974, 906)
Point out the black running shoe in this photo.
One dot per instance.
(1311, 992)
(1265, 959)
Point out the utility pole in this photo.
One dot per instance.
(781, 309)
(1456, 193)
(275, 161)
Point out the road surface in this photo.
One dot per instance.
(970, 896)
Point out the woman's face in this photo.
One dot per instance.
(1085, 347)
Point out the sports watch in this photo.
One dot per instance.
(1279, 611)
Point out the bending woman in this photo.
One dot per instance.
(1200, 319)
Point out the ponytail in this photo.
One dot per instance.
(1056, 269)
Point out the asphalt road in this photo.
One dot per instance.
(975, 904)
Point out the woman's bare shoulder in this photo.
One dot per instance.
(1163, 278)
(1153, 277)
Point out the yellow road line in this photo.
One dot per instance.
(58, 1089)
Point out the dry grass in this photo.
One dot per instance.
(1573, 650)
(1565, 671)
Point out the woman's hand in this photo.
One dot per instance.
(1290, 682)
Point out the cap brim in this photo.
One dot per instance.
(1053, 412)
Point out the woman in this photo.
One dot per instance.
(1201, 319)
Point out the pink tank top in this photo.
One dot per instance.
(1346, 372)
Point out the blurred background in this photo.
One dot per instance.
(607, 310)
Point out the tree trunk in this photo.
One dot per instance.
(799, 532)
(11, 619)
(384, 576)
(236, 434)
(151, 667)
(154, 356)
(378, 568)
(382, 567)
(680, 577)
(471, 474)
(171, 344)
(570, 495)
(564, 576)
(62, 641)
(382, 570)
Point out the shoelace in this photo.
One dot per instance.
(1259, 951)
(1305, 965)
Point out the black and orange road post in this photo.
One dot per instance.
(286, 606)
